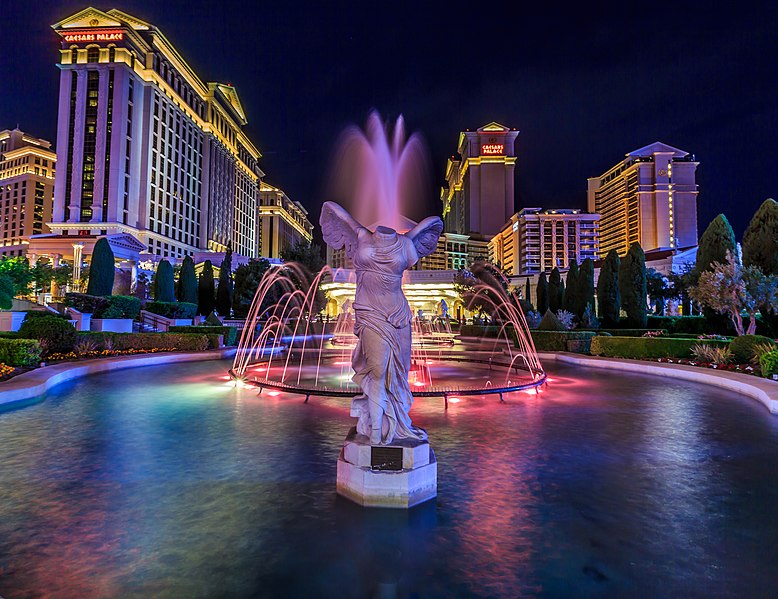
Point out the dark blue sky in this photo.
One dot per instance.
(583, 88)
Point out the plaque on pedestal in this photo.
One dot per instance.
(399, 475)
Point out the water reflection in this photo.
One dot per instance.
(172, 484)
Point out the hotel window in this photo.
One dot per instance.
(93, 54)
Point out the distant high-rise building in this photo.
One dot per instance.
(282, 222)
(479, 194)
(536, 240)
(147, 147)
(27, 169)
(649, 197)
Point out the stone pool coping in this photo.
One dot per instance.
(33, 384)
(763, 390)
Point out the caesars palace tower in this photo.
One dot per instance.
(147, 148)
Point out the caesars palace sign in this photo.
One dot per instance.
(93, 36)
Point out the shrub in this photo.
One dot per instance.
(550, 322)
(769, 364)
(101, 269)
(172, 309)
(206, 290)
(761, 349)
(533, 319)
(164, 283)
(566, 319)
(20, 352)
(632, 285)
(712, 355)
(608, 294)
(120, 306)
(647, 347)
(187, 282)
(7, 292)
(83, 302)
(631, 332)
(85, 345)
(56, 334)
(743, 347)
(559, 340)
(230, 333)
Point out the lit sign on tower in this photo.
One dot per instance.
(492, 149)
(76, 37)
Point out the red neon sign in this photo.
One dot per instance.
(109, 35)
(492, 149)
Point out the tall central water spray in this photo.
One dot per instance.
(380, 176)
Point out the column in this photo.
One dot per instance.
(78, 148)
(78, 249)
(100, 147)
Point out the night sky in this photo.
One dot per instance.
(583, 88)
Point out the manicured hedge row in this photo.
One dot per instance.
(693, 325)
(647, 347)
(172, 309)
(576, 341)
(230, 333)
(20, 352)
(178, 341)
(479, 330)
(626, 332)
(111, 306)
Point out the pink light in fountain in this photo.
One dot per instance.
(380, 177)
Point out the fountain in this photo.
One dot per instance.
(396, 356)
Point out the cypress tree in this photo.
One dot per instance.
(572, 287)
(206, 293)
(187, 282)
(632, 285)
(101, 269)
(562, 293)
(164, 283)
(608, 294)
(224, 291)
(554, 296)
(527, 292)
(714, 243)
(585, 288)
(542, 293)
(760, 241)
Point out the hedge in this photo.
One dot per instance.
(111, 306)
(743, 347)
(577, 341)
(648, 347)
(693, 325)
(43, 313)
(479, 330)
(177, 341)
(20, 352)
(230, 333)
(626, 332)
(172, 309)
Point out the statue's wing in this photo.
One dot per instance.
(338, 228)
(425, 235)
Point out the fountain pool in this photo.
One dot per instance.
(174, 483)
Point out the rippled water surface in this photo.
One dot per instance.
(164, 482)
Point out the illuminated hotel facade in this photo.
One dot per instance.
(649, 197)
(282, 222)
(147, 148)
(27, 170)
(536, 240)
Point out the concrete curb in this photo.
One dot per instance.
(35, 383)
(764, 391)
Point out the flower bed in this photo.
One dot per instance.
(743, 368)
(105, 353)
(6, 371)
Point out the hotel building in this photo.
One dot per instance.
(536, 240)
(147, 148)
(282, 222)
(649, 197)
(27, 170)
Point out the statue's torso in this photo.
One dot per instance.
(379, 268)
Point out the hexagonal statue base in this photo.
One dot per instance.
(400, 475)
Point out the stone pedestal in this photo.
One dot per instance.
(400, 475)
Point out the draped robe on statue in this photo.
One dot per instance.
(382, 357)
